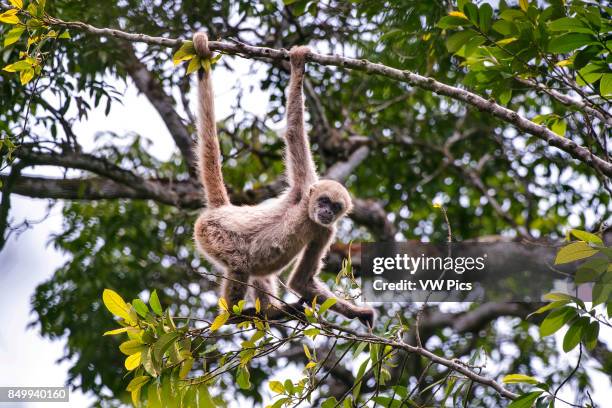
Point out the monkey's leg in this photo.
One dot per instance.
(266, 290)
(304, 280)
(234, 286)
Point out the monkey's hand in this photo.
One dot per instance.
(297, 56)
(200, 43)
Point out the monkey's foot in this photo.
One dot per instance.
(297, 56)
(366, 316)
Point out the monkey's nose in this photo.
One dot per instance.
(326, 216)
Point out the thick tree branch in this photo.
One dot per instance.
(101, 167)
(476, 319)
(576, 151)
(342, 170)
(72, 189)
(187, 194)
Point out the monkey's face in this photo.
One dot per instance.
(328, 202)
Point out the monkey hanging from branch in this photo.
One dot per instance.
(253, 244)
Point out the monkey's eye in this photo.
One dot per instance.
(324, 200)
(336, 207)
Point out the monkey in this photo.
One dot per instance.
(255, 243)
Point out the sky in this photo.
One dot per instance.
(27, 359)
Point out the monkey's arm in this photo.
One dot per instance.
(209, 152)
(300, 166)
(304, 280)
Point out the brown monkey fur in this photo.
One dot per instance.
(254, 243)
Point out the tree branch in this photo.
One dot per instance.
(566, 100)
(187, 194)
(342, 170)
(576, 151)
(101, 167)
(332, 330)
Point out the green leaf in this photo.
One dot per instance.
(130, 347)
(601, 293)
(137, 382)
(505, 96)
(526, 400)
(204, 398)
(10, 17)
(559, 126)
(387, 402)
(326, 305)
(519, 378)
(277, 387)
(331, 402)
(359, 378)
(584, 56)
(194, 65)
(574, 252)
(289, 386)
(140, 307)
(605, 85)
(164, 342)
(569, 24)
(458, 40)
(155, 305)
(591, 333)
(485, 13)
(569, 42)
(590, 73)
(116, 305)
(115, 331)
(524, 4)
(13, 35)
(549, 306)
(586, 236)
(556, 296)
(471, 11)
(591, 269)
(574, 333)
(184, 53)
(132, 361)
(185, 368)
(150, 366)
(504, 27)
(219, 321)
(312, 332)
(243, 379)
(307, 352)
(153, 400)
(18, 66)
(452, 22)
(556, 319)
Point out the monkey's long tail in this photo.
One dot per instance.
(209, 152)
